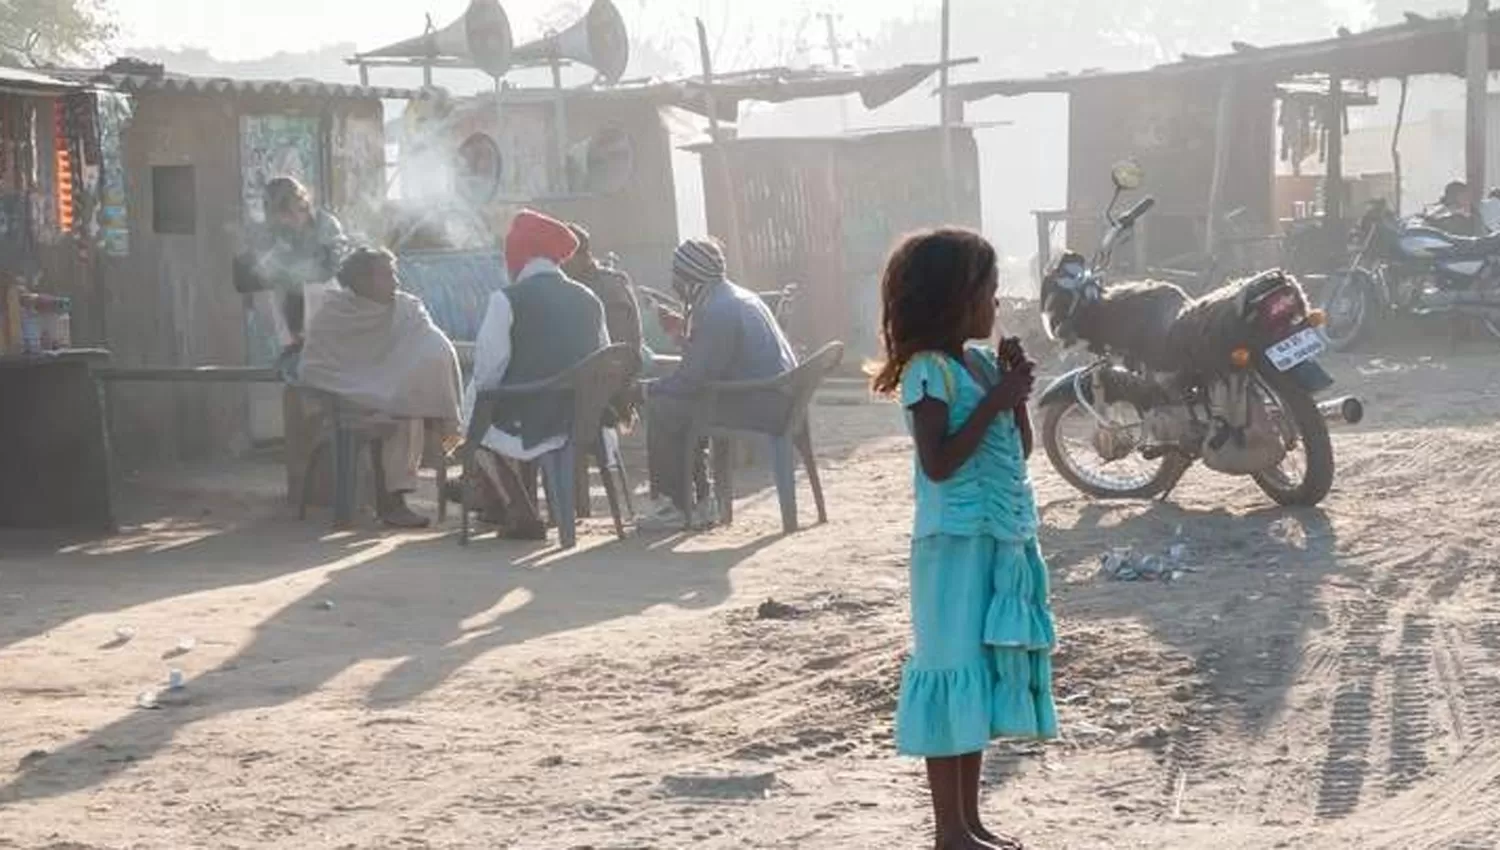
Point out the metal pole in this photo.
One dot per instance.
(1478, 69)
(708, 81)
(945, 112)
(717, 174)
(835, 55)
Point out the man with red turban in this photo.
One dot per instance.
(538, 327)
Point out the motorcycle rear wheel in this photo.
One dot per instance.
(1169, 469)
(1311, 435)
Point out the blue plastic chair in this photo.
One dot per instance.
(790, 437)
(348, 431)
(592, 383)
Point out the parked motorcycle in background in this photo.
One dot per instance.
(1227, 379)
(1414, 268)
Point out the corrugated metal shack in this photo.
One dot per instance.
(189, 163)
(824, 213)
(1204, 128)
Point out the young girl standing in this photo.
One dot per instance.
(980, 667)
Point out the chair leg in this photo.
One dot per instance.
(785, 468)
(314, 459)
(344, 471)
(724, 456)
(530, 477)
(442, 488)
(689, 480)
(464, 508)
(602, 453)
(810, 463)
(583, 498)
(617, 465)
(558, 469)
(377, 468)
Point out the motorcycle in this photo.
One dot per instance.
(1414, 268)
(1228, 379)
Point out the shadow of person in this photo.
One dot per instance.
(55, 579)
(573, 591)
(428, 602)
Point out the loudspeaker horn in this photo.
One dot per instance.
(480, 37)
(599, 41)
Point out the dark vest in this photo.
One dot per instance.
(557, 324)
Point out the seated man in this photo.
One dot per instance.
(540, 326)
(732, 336)
(378, 349)
(622, 313)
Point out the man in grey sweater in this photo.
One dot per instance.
(732, 336)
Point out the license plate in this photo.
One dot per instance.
(1296, 349)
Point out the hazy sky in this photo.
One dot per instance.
(245, 29)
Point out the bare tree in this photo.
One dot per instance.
(38, 31)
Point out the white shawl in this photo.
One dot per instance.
(389, 358)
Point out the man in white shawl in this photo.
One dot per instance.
(378, 349)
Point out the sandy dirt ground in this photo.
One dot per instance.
(1323, 679)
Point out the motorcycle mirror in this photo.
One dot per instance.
(1127, 174)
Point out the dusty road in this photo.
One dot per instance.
(1325, 679)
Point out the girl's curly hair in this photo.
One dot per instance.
(932, 283)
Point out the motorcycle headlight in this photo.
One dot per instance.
(1062, 291)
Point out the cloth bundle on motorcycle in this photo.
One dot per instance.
(1158, 327)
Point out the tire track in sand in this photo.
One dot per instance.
(1412, 697)
(1346, 764)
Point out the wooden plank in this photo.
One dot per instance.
(1333, 184)
(190, 374)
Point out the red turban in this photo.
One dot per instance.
(535, 236)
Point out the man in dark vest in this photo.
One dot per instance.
(540, 326)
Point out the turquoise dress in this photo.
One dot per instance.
(981, 659)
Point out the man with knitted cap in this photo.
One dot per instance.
(732, 336)
(540, 326)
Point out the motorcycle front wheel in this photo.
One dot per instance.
(1305, 475)
(1350, 310)
(1073, 440)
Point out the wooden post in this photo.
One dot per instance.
(1333, 182)
(1396, 143)
(1043, 245)
(1477, 110)
(945, 112)
(1223, 138)
(718, 161)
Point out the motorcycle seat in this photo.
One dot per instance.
(1471, 247)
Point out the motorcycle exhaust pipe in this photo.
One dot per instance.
(1343, 411)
